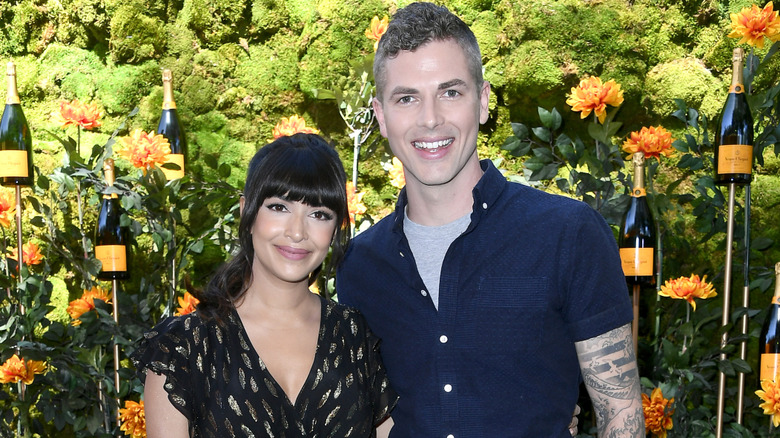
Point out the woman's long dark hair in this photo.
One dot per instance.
(301, 167)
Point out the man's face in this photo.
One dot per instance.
(430, 113)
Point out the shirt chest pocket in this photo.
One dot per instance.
(508, 314)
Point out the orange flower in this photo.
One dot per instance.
(144, 150)
(593, 95)
(397, 178)
(752, 25)
(770, 395)
(7, 207)
(291, 126)
(355, 202)
(658, 414)
(687, 289)
(15, 370)
(653, 141)
(133, 419)
(31, 254)
(80, 306)
(188, 304)
(74, 112)
(377, 29)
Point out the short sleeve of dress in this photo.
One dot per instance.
(383, 397)
(166, 350)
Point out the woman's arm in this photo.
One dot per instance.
(383, 430)
(163, 420)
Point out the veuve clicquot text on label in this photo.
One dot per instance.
(637, 232)
(110, 237)
(170, 128)
(769, 341)
(734, 138)
(16, 164)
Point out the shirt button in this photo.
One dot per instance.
(443, 339)
(423, 293)
(401, 254)
(447, 388)
(484, 205)
(450, 436)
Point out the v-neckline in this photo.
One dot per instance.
(312, 369)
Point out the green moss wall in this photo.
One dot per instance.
(241, 65)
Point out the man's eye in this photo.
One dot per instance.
(405, 99)
(452, 93)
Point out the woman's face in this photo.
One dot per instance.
(290, 240)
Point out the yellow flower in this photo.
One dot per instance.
(293, 125)
(74, 112)
(7, 207)
(31, 254)
(133, 419)
(593, 95)
(144, 150)
(188, 304)
(377, 29)
(653, 142)
(658, 414)
(397, 178)
(15, 370)
(770, 395)
(80, 306)
(752, 25)
(355, 202)
(688, 288)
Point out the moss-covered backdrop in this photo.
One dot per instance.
(239, 66)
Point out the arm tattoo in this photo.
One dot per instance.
(609, 369)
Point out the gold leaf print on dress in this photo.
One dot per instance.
(253, 384)
(242, 378)
(247, 431)
(234, 405)
(271, 387)
(330, 416)
(268, 409)
(324, 398)
(253, 412)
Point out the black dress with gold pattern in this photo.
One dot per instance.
(217, 380)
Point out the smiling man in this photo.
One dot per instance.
(493, 300)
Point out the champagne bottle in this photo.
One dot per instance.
(170, 128)
(110, 237)
(734, 138)
(769, 341)
(16, 164)
(637, 232)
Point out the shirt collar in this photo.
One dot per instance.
(485, 194)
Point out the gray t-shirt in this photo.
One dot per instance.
(429, 245)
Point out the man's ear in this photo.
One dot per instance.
(380, 116)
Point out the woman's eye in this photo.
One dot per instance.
(276, 207)
(322, 215)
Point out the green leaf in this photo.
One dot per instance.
(520, 130)
(543, 134)
(551, 120)
(761, 243)
(224, 170)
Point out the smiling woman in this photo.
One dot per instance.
(261, 350)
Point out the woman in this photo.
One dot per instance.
(262, 355)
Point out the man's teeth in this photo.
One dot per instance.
(432, 144)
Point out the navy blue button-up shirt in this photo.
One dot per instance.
(532, 274)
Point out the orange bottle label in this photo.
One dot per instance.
(637, 261)
(639, 192)
(736, 89)
(113, 257)
(769, 369)
(13, 164)
(735, 158)
(177, 159)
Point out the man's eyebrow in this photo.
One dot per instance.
(451, 84)
(403, 90)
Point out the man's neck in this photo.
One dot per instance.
(442, 204)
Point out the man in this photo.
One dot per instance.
(491, 298)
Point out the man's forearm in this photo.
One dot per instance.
(609, 369)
